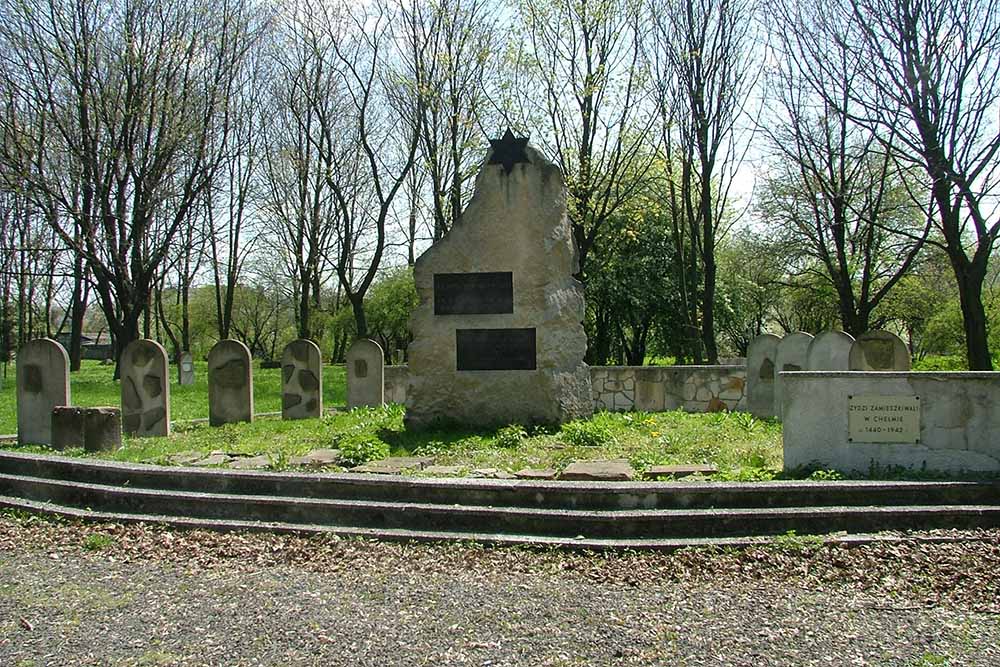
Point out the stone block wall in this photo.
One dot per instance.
(646, 388)
(959, 425)
(663, 388)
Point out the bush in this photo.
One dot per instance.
(587, 434)
(361, 448)
(510, 436)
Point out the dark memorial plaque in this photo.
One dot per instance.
(495, 349)
(473, 293)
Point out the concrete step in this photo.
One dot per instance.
(540, 494)
(458, 519)
(403, 535)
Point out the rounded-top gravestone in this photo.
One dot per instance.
(830, 351)
(791, 356)
(760, 375)
(365, 374)
(145, 389)
(185, 370)
(879, 351)
(301, 380)
(230, 383)
(42, 384)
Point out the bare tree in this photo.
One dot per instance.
(306, 104)
(707, 67)
(590, 112)
(931, 78)
(371, 160)
(130, 96)
(452, 50)
(836, 195)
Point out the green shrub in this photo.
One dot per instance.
(510, 436)
(951, 362)
(360, 448)
(587, 434)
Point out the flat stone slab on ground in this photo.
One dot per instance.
(251, 462)
(214, 459)
(680, 470)
(317, 458)
(491, 473)
(185, 458)
(536, 473)
(444, 471)
(612, 470)
(395, 465)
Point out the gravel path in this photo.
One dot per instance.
(150, 596)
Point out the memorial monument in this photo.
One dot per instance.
(498, 335)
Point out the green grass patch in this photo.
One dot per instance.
(739, 445)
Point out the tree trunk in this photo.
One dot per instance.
(358, 307)
(77, 312)
(970, 294)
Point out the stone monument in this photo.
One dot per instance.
(42, 384)
(185, 370)
(365, 374)
(230, 383)
(301, 380)
(879, 351)
(145, 389)
(829, 351)
(498, 335)
(791, 356)
(761, 376)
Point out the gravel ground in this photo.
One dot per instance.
(78, 594)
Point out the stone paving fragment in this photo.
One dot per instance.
(536, 473)
(677, 471)
(611, 470)
(214, 459)
(395, 465)
(251, 462)
(317, 458)
(444, 471)
(185, 458)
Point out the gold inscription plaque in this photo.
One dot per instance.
(883, 419)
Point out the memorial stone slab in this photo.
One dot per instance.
(791, 356)
(301, 380)
(498, 335)
(879, 351)
(230, 383)
(185, 370)
(830, 351)
(145, 389)
(42, 384)
(761, 358)
(365, 374)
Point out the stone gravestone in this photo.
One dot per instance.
(301, 380)
(365, 374)
(498, 335)
(830, 351)
(791, 356)
(42, 384)
(879, 351)
(145, 389)
(761, 376)
(230, 383)
(185, 370)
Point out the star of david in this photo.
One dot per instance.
(509, 150)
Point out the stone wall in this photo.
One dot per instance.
(662, 388)
(647, 388)
(958, 428)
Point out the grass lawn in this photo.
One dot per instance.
(741, 446)
(93, 386)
